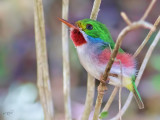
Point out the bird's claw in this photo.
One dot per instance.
(104, 81)
(108, 79)
(113, 75)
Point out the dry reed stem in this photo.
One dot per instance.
(95, 9)
(125, 18)
(120, 91)
(111, 98)
(142, 68)
(90, 79)
(43, 80)
(89, 97)
(66, 64)
(148, 9)
(147, 38)
(120, 102)
(94, 15)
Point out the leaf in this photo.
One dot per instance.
(103, 115)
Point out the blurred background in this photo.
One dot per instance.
(19, 98)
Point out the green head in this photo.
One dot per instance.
(95, 29)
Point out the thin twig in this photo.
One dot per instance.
(66, 64)
(116, 89)
(111, 98)
(125, 18)
(90, 80)
(89, 97)
(148, 9)
(43, 80)
(95, 9)
(120, 90)
(120, 107)
(142, 68)
(147, 38)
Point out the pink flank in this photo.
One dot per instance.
(126, 59)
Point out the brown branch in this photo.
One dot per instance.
(43, 80)
(66, 64)
(121, 36)
(142, 68)
(147, 38)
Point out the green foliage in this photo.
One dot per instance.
(103, 115)
(3, 64)
(155, 62)
(156, 82)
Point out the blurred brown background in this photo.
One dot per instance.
(18, 92)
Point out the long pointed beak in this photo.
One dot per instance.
(67, 23)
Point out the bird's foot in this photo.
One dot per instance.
(104, 81)
(113, 75)
(108, 79)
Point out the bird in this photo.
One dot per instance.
(94, 45)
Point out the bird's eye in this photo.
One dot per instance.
(89, 26)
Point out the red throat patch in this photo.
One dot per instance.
(77, 37)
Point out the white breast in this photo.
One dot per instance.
(88, 61)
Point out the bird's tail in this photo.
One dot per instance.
(137, 96)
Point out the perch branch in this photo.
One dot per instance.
(90, 80)
(121, 36)
(124, 16)
(66, 64)
(112, 96)
(142, 68)
(43, 80)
